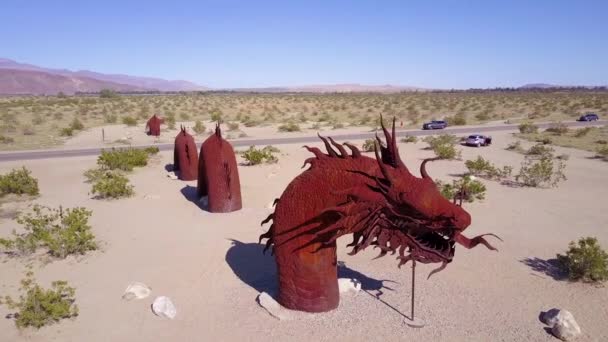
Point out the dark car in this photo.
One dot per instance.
(589, 117)
(435, 124)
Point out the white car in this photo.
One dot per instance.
(478, 140)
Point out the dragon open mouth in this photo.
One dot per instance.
(436, 245)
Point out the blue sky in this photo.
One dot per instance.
(436, 44)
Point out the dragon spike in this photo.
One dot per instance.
(330, 150)
(343, 153)
(438, 269)
(355, 151)
(423, 172)
(390, 153)
(381, 164)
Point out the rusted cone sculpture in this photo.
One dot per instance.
(185, 156)
(153, 125)
(218, 175)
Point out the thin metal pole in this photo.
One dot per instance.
(413, 285)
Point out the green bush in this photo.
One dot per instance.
(369, 145)
(6, 140)
(540, 150)
(110, 118)
(442, 139)
(484, 168)
(216, 116)
(255, 156)
(528, 127)
(199, 127)
(113, 185)
(544, 140)
(66, 132)
(38, 307)
(602, 153)
(446, 152)
(579, 133)
(107, 94)
(409, 139)
(152, 150)
(122, 159)
(289, 127)
(558, 128)
(19, 181)
(516, 146)
(456, 120)
(473, 189)
(545, 171)
(61, 232)
(129, 121)
(76, 125)
(586, 261)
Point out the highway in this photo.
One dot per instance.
(63, 153)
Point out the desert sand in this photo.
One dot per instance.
(212, 267)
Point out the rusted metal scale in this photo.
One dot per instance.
(153, 125)
(185, 156)
(377, 200)
(218, 174)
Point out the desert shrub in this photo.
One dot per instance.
(271, 149)
(184, 116)
(37, 119)
(122, 159)
(409, 139)
(94, 174)
(516, 146)
(255, 156)
(199, 127)
(446, 151)
(585, 261)
(528, 127)
(233, 126)
(107, 94)
(216, 116)
(37, 307)
(602, 152)
(170, 121)
(66, 132)
(6, 140)
(249, 122)
(601, 142)
(316, 125)
(544, 140)
(368, 145)
(110, 118)
(19, 181)
(152, 150)
(484, 168)
(544, 171)
(442, 139)
(558, 128)
(129, 121)
(471, 189)
(111, 184)
(289, 127)
(76, 125)
(337, 125)
(540, 150)
(579, 133)
(60, 232)
(456, 120)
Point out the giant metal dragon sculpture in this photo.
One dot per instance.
(378, 200)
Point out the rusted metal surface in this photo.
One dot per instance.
(185, 156)
(378, 200)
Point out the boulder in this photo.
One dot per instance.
(562, 323)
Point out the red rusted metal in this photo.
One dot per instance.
(377, 200)
(185, 156)
(218, 175)
(153, 125)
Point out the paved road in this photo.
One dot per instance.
(45, 154)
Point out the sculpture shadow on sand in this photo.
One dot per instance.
(189, 193)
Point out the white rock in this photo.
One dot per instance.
(562, 323)
(163, 307)
(136, 290)
(172, 175)
(273, 307)
(346, 285)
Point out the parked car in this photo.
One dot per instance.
(435, 124)
(589, 117)
(478, 140)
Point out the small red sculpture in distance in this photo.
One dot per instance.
(218, 175)
(185, 156)
(377, 200)
(153, 125)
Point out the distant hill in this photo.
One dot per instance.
(540, 86)
(43, 83)
(333, 88)
(114, 81)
